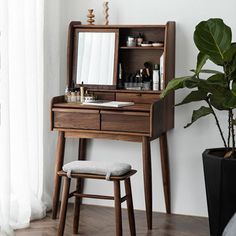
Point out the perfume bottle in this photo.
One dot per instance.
(120, 77)
(156, 77)
(82, 92)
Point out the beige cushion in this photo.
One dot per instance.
(97, 167)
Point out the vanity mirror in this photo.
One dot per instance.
(95, 57)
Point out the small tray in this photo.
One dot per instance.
(146, 44)
(157, 44)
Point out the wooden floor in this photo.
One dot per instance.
(99, 221)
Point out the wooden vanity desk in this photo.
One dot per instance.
(148, 119)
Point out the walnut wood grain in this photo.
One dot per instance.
(127, 121)
(118, 213)
(79, 186)
(64, 205)
(165, 171)
(169, 73)
(137, 97)
(147, 176)
(104, 95)
(130, 207)
(134, 137)
(79, 119)
(99, 177)
(58, 166)
(148, 119)
(135, 107)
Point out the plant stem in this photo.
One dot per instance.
(229, 130)
(217, 122)
(232, 131)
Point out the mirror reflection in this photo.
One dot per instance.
(95, 60)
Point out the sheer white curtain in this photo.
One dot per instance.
(21, 114)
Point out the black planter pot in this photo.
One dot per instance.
(220, 181)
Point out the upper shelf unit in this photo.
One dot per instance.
(132, 59)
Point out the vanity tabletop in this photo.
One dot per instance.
(135, 107)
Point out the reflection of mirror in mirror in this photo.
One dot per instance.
(95, 61)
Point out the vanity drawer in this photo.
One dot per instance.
(137, 97)
(125, 121)
(76, 118)
(104, 96)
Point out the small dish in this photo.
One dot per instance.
(157, 44)
(146, 44)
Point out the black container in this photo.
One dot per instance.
(220, 181)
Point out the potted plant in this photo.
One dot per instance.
(213, 38)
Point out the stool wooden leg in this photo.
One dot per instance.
(81, 157)
(64, 203)
(79, 186)
(130, 207)
(165, 171)
(147, 176)
(118, 213)
(58, 166)
(78, 201)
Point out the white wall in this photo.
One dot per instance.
(185, 146)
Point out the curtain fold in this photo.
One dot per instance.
(21, 114)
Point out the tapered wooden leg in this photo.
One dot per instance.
(165, 171)
(147, 175)
(79, 187)
(77, 208)
(63, 210)
(118, 208)
(58, 166)
(130, 207)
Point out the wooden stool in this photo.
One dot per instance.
(78, 195)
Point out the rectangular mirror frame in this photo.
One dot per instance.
(73, 50)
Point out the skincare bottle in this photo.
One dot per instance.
(156, 77)
(73, 96)
(78, 97)
(120, 77)
(67, 93)
(161, 72)
(140, 39)
(82, 92)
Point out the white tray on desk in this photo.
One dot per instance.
(109, 103)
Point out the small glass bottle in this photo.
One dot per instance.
(82, 92)
(67, 92)
(73, 96)
(120, 77)
(156, 77)
(78, 97)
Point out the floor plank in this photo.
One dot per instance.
(99, 221)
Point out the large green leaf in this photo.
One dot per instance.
(197, 114)
(201, 61)
(218, 102)
(213, 38)
(230, 101)
(175, 84)
(216, 88)
(207, 71)
(213, 87)
(218, 79)
(234, 88)
(191, 83)
(194, 96)
(230, 53)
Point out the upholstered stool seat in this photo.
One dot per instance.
(114, 172)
